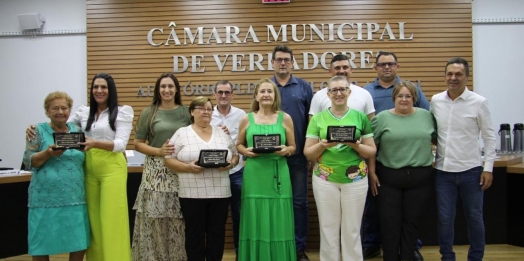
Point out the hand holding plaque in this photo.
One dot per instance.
(68, 140)
(213, 158)
(341, 133)
(266, 143)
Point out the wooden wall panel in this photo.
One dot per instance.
(117, 43)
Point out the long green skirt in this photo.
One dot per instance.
(267, 230)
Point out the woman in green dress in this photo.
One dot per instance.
(58, 220)
(266, 220)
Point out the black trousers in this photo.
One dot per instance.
(401, 198)
(205, 227)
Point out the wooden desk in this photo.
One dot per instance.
(507, 160)
(516, 168)
(27, 176)
(14, 179)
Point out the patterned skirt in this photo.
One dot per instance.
(159, 227)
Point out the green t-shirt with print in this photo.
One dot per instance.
(341, 163)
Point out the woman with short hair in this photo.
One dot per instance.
(340, 181)
(58, 220)
(204, 192)
(401, 180)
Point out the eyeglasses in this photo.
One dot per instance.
(402, 97)
(383, 65)
(220, 93)
(280, 60)
(202, 109)
(341, 90)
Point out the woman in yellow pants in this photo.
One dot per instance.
(107, 127)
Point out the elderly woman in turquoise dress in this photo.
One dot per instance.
(58, 220)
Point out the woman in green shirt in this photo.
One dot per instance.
(340, 181)
(159, 226)
(401, 177)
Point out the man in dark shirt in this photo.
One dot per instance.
(296, 95)
(381, 90)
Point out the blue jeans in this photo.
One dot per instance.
(236, 194)
(299, 182)
(448, 185)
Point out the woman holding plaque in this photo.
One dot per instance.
(159, 226)
(267, 230)
(58, 220)
(340, 173)
(401, 181)
(204, 189)
(107, 127)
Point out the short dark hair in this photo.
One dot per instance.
(380, 53)
(284, 49)
(339, 57)
(221, 82)
(459, 61)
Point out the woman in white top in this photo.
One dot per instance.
(204, 192)
(107, 127)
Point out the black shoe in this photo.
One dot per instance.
(370, 252)
(418, 256)
(301, 256)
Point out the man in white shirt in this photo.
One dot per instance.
(461, 116)
(224, 114)
(359, 98)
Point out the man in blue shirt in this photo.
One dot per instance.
(381, 90)
(296, 95)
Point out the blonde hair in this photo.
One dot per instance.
(57, 95)
(255, 105)
(198, 101)
(411, 87)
